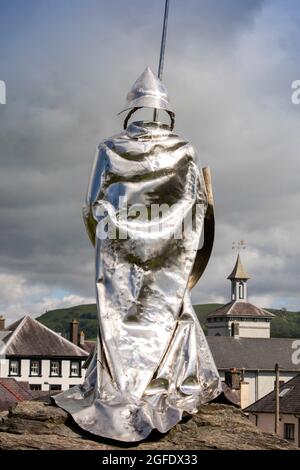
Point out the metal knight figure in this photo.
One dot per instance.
(151, 362)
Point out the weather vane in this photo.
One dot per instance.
(239, 246)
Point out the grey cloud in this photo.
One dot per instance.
(68, 77)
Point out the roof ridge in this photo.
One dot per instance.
(289, 385)
(14, 324)
(231, 306)
(57, 334)
(266, 311)
(14, 333)
(29, 323)
(221, 307)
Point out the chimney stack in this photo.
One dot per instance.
(244, 394)
(233, 378)
(74, 332)
(2, 323)
(81, 338)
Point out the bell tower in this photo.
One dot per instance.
(238, 279)
(239, 318)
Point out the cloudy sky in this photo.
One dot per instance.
(68, 65)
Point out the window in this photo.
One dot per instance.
(35, 368)
(55, 387)
(234, 329)
(241, 290)
(35, 387)
(75, 369)
(15, 367)
(289, 431)
(55, 368)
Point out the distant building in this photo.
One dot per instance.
(254, 359)
(239, 317)
(31, 352)
(262, 412)
(239, 339)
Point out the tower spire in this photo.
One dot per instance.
(238, 272)
(238, 278)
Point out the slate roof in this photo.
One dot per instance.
(239, 271)
(12, 391)
(89, 346)
(240, 309)
(252, 353)
(289, 400)
(28, 337)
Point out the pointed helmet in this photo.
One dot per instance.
(148, 92)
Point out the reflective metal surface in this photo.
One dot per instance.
(148, 92)
(145, 210)
(152, 361)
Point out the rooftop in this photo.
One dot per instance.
(252, 353)
(240, 309)
(238, 271)
(28, 337)
(12, 391)
(289, 394)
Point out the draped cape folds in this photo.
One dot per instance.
(151, 361)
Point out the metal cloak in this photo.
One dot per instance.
(145, 210)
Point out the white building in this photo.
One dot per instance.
(31, 352)
(262, 412)
(239, 317)
(239, 339)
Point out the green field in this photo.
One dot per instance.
(285, 324)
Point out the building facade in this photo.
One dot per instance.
(31, 352)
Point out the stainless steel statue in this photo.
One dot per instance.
(145, 210)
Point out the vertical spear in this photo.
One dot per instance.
(162, 49)
(277, 405)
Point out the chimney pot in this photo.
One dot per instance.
(81, 338)
(2, 323)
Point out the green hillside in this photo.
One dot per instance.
(285, 325)
(59, 320)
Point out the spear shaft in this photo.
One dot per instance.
(162, 49)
